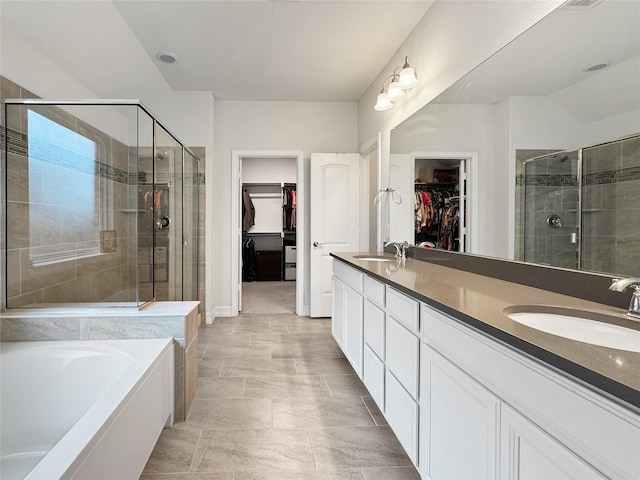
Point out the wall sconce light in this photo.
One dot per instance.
(397, 87)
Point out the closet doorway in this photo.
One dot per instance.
(269, 223)
(448, 180)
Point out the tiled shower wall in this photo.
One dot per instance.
(610, 214)
(63, 221)
(110, 276)
(611, 207)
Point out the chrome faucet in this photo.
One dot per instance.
(620, 285)
(401, 248)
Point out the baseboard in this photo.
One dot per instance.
(222, 311)
(306, 310)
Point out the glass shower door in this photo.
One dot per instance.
(190, 226)
(167, 200)
(550, 200)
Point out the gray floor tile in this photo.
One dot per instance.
(209, 367)
(393, 473)
(268, 339)
(227, 414)
(235, 340)
(357, 447)
(323, 366)
(220, 387)
(259, 328)
(187, 476)
(258, 368)
(223, 352)
(173, 452)
(340, 474)
(317, 328)
(266, 449)
(315, 412)
(286, 386)
(375, 412)
(277, 400)
(293, 350)
(346, 386)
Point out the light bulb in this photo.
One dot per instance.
(383, 102)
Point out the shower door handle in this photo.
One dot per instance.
(163, 222)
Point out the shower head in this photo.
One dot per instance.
(162, 155)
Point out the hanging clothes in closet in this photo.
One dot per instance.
(450, 226)
(430, 204)
(289, 206)
(248, 211)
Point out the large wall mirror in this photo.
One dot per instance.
(541, 145)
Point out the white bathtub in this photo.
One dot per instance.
(82, 409)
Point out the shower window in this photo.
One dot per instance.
(62, 182)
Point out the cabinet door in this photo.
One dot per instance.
(373, 376)
(461, 422)
(353, 336)
(401, 411)
(403, 355)
(530, 453)
(337, 312)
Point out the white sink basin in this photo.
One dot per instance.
(374, 258)
(581, 329)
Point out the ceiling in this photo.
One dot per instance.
(239, 50)
(552, 58)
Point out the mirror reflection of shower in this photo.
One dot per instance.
(579, 208)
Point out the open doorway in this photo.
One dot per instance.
(268, 227)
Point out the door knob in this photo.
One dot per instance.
(317, 244)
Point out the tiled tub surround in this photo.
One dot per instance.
(278, 401)
(69, 408)
(179, 320)
(515, 397)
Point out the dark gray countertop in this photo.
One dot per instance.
(480, 301)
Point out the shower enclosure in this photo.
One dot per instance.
(580, 209)
(101, 206)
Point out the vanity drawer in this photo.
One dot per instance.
(403, 355)
(373, 377)
(374, 291)
(403, 309)
(401, 411)
(374, 328)
(350, 276)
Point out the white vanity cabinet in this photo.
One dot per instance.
(529, 453)
(550, 425)
(460, 419)
(348, 313)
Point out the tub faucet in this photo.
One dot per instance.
(620, 285)
(401, 248)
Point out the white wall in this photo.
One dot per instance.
(312, 127)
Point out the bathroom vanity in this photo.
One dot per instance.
(472, 393)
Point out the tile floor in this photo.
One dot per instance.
(269, 297)
(278, 401)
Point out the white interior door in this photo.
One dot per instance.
(401, 215)
(335, 220)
